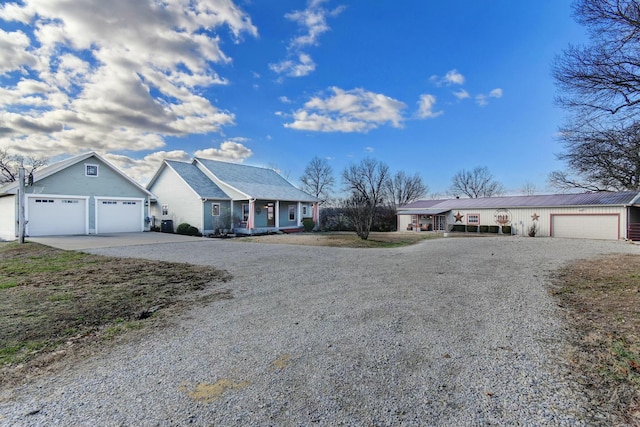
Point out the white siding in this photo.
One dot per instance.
(8, 218)
(184, 204)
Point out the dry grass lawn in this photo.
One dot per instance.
(57, 305)
(602, 302)
(344, 239)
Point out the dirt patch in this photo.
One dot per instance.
(602, 301)
(57, 305)
(344, 239)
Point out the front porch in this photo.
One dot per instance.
(272, 216)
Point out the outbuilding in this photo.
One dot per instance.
(601, 215)
(84, 194)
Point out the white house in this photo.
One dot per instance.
(213, 195)
(603, 215)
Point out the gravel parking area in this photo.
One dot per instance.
(455, 331)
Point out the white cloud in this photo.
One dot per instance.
(483, 99)
(285, 100)
(425, 107)
(355, 110)
(303, 66)
(131, 72)
(313, 23)
(461, 94)
(453, 77)
(229, 150)
(142, 170)
(369, 149)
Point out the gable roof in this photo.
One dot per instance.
(197, 180)
(12, 187)
(255, 182)
(623, 198)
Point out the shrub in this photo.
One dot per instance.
(472, 228)
(506, 229)
(493, 229)
(484, 228)
(457, 227)
(308, 224)
(533, 229)
(186, 229)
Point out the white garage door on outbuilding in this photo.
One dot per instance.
(586, 226)
(119, 215)
(55, 215)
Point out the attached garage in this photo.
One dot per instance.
(80, 195)
(54, 215)
(586, 226)
(119, 215)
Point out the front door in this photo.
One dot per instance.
(440, 222)
(271, 217)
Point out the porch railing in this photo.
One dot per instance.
(633, 232)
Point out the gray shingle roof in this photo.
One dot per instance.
(622, 198)
(259, 183)
(197, 180)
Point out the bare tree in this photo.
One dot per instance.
(365, 182)
(476, 183)
(402, 189)
(11, 163)
(600, 85)
(528, 188)
(600, 159)
(603, 76)
(318, 179)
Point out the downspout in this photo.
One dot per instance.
(202, 215)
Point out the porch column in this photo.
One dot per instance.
(277, 213)
(299, 219)
(316, 214)
(250, 220)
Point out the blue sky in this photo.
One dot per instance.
(431, 87)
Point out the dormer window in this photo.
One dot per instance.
(91, 170)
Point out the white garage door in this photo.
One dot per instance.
(49, 216)
(603, 227)
(119, 216)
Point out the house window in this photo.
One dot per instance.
(165, 209)
(473, 219)
(91, 170)
(292, 212)
(245, 212)
(304, 210)
(215, 209)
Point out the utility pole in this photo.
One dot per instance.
(21, 201)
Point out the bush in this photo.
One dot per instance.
(457, 227)
(186, 229)
(506, 229)
(308, 224)
(533, 229)
(493, 229)
(472, 228)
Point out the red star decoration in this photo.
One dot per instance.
(535, 216)
(458, 217)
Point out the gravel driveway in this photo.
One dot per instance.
(456, 331)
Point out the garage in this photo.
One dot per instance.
(52, 216)
(119, 215)
(586, 226)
